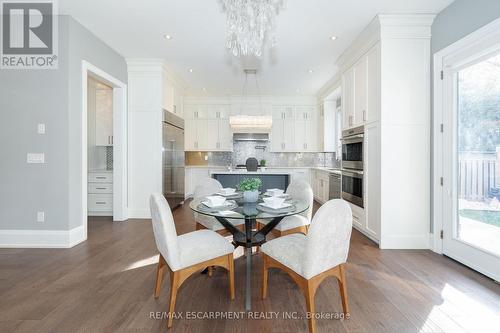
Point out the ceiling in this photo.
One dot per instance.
(303, 30)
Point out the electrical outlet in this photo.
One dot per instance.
(41, 129)
(35, 158)
(40, 216)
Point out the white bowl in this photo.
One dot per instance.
(275, 192)
(227, 191)
(274, 202)
(215, 200)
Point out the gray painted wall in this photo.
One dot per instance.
(456, 21)
(53, 97)
(83, 45)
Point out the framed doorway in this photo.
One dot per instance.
(120, 184)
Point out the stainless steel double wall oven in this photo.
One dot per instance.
(352, 165)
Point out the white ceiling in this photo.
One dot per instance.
(136, 29)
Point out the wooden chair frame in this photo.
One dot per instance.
(308, 286)
(277, 233)
(178, 277)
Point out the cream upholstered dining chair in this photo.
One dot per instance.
(310, 258)
(186, 254)
(301, 190)
(210, 186)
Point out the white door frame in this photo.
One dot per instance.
(479, 44)
(120, 185)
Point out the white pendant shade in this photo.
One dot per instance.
(251, 123)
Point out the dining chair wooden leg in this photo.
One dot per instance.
(210, 271)
(159, 275)
(265, 275)
(174, 286)
(343, 289)
(309, 293)
(230, 271)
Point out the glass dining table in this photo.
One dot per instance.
(236, 209)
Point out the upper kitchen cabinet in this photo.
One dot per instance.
(348, 97)
(327, 126)
(282, 134)
(172, 96)
(100, 105)
(305, 129)
(207, 127)
(361, 86)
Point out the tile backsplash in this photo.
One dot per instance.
(243, 150)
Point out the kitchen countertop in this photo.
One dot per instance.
(245, 172)
(269, 170)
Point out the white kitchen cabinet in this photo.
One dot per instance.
(360, 91)
(207, 128)
(348, 98)
(103, 106)
(100, 194)
(196, 135)
(371, 181)
(321, 186)
(283, 130)
(373, 85)
(326, 127)
(305, 129)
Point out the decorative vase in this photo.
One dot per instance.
(250, 196)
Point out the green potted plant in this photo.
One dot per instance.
(263, 164)
(250, 188)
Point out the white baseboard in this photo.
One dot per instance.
(366, 234)
(139, 214)
(42, 238)
(405, 242)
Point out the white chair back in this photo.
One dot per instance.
(164, 230)
(207, 186)
(301, 190)
(328, 237)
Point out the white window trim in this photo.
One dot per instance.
(475, 40)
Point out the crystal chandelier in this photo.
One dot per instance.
(249, 24)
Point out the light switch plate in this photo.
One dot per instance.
(41, 129)
(40, 216)
(35, 158)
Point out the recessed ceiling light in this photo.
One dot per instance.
(191, 70)
(310, 71)
(204, 89)
(333, 37)
(167, 37)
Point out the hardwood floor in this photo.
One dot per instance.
(106, 284)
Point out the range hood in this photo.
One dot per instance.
(255, 137)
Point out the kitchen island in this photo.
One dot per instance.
(270, 179)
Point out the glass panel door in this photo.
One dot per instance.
(478, 152)
(471, 161)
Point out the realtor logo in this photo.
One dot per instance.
(29, 34)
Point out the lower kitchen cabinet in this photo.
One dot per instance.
(100, 194)
(321, 185)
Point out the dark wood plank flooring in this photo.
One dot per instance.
(106, 285)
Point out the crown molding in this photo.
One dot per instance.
(386, 26)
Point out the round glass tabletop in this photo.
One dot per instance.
(238, 209)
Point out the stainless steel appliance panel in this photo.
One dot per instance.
(173, 159)
(352, 148)
(352, 187)
(335, 186)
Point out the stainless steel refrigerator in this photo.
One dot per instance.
(173, 159)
